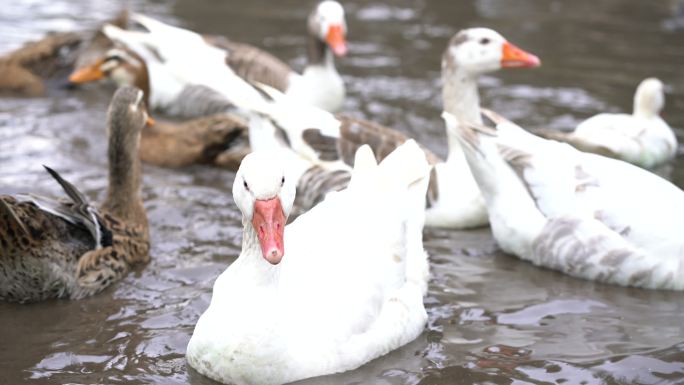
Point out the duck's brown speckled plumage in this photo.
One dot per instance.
(46, 255)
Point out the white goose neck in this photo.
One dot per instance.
(319, 54)
(644, 108)
(461, 99)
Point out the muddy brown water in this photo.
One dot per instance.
(493, 318)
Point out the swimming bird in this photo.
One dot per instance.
(23, 71)
(583, 214)
(219, 138)
(27, 70)
(454, 200)
(642, 138)
(341, 285)
(319, 84)
(71, 248)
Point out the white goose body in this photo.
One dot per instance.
(642, 138)
(194, 58)
(190, 61)
(454, 199)
(319, 85)
(320, 302)
(583, 214)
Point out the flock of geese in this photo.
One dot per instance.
(284, 310)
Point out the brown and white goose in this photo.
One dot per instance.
(454, 200)
(70, 248)
(319, 84)
(583, 214)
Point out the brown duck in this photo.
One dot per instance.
(69, 248)
(219, 139)
(23, 71)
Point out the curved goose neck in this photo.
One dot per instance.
(461, 99)
(123, 194)
(645, 105)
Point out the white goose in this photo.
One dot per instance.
(642, 138)
(300, 301)
(454, 200)
(319, 84)
(583, 214)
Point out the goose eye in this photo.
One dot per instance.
(244, 183)
(282, 181)
(484, 41)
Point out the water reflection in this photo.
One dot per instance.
(493, 318)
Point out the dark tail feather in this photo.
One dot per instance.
(81, 211)
(76, 196)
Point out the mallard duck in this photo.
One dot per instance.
(70, 248)
(583, 214)
(219, 139)
(23, 71)
(642, 138)
(285, 309)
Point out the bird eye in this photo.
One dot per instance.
(282, 181)
(484, 41)
(115, 58)
(244, 183)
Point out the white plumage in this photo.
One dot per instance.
(349, 287)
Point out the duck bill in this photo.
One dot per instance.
(335, 39)
(87, 74)
(269, 223)
(514, 57)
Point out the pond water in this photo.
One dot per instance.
(493, 319)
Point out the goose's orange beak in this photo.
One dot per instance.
(269, 222)
(149, 121)
(87, 74)
(514, 57)
(335, 39)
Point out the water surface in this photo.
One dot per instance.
(493, 319)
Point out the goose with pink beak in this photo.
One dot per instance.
(349, 288)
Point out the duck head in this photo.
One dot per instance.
(265, 195)
(649, 99)
(327, 23)
(124, 67)
(482, 50)
(127, 113)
